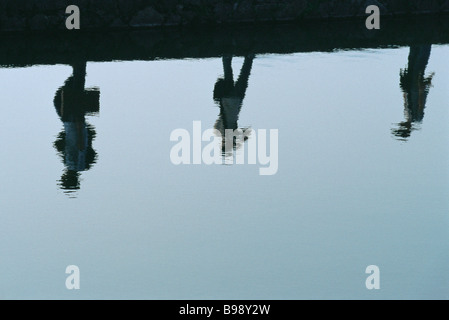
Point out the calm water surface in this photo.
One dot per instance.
(363, 169)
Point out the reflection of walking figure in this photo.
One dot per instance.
(415, 88)
(229, 95)
(74, 144)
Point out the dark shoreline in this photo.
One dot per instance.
(48, 48)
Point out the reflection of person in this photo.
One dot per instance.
(415, 87)
(229, 95)
(72, 103)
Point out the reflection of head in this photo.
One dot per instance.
(231, 139)
(415, 87)
(70, 181)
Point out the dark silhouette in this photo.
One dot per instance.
(415, 87)
(74, 143)
(229, 95)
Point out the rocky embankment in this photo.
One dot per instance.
(38, 15)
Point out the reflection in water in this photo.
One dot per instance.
(229, 95)
(415, 87)
(74, 143)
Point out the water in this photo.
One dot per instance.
(361, 180)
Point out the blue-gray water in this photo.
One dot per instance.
(353, 188)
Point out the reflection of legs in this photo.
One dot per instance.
(227, 69)
(79, 76)
(418, 59)
(242, 82)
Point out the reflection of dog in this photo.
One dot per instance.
(72, 102)
(229, 95)
(415, 88)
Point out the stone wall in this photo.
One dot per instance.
(31, 15)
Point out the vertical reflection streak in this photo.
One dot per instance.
(415, 87)
(229, 96)
(74, 144)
